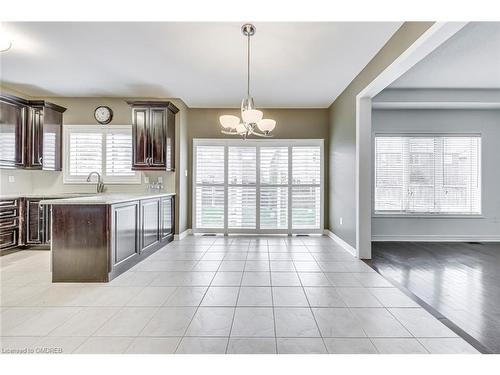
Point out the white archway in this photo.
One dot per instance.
(436, 35)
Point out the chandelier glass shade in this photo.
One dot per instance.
(252, 121)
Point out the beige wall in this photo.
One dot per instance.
(342, 132)
(191, 123)
(290, 124)
(80, 111)
(336, 125)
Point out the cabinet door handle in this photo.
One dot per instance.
(40, 159)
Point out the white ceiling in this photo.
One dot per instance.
(469, 59)
(293, 64)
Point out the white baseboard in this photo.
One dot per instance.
(437, 238)
(341, 242)
(180, 236)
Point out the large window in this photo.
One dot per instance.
(258, 186)
(428, 175)
(103, 149)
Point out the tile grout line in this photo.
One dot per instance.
(272, 299)
(412, 335)
(123, 307)
(152, 316)
(310, 308)
(236, 303)
(199, 304)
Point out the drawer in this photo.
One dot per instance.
(8, 213)
(8, 224)
(8, 204)
(8, 238)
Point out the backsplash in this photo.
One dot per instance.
(48, 182)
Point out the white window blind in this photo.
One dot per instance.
(274, 207)
(7, 145)
(209, 206)
(306, 202)
(267, 186)
(209, 198)
(273, 195)
(49, 149)
(85, 153)
(118, 154)
(241, 207)
(106, 150)
(274, 165)
(242, 165)
(306, 165)
(242, 172)
(210, 164)
(306, 187)
(428, 174)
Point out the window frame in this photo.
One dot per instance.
(289, 143)
(109, 180)
(429, 215)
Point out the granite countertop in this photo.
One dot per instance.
(44, 195)
(103, 198)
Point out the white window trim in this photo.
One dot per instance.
(430, 215)
(68, 180)
(260, 142)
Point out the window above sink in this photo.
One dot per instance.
(103, 149)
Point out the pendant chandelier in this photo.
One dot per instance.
(251, 119)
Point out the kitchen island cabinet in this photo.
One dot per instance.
(95, 239)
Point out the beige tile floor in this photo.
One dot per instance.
(219, 295)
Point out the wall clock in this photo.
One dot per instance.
(103, 115)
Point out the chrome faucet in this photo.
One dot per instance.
(100, 185)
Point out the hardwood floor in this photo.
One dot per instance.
(459, 280)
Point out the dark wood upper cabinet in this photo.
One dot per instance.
(170, 143)
(52, 139)
(13, 115)
(140, 146)
(34, 140)
(31, 134)
(153, 135)
(44, 140)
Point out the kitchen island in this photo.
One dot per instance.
(96, 238)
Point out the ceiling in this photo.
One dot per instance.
(469, 59)
(204, 64)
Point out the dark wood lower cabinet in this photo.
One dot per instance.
(9, 223)
(150, 222)
(8, 238)
(34, 224)
(80, 243)
(96, 243)
(125, 230)
(167, 217)
(37, 223)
